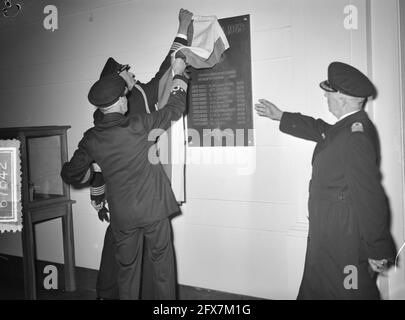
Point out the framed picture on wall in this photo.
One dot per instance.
(10, 186)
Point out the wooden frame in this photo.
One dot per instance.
(43, 210)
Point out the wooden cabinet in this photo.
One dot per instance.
(44, 195)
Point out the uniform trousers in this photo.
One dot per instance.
(107, 279)
(157, 238)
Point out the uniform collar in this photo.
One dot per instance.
(110, 120)
(350, 119)
(348, 114)
(353, 116)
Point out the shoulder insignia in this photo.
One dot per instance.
(357, 127)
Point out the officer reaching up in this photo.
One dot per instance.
(139, 193)
(142, 99)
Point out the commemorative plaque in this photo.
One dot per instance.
(220, 98)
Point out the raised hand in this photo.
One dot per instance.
(185, 17)
(267, 109)
(378, 266)
(178, 66)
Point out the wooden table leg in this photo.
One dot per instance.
(69, 250)
(28, 242)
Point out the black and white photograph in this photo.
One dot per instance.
(205, 158)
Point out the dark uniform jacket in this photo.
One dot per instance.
(142, 99)
(139, 192)
(348, 209)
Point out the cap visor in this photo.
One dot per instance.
(326, 86)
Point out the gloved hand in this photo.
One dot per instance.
(101, 210)
(103, 214)
(96, 167)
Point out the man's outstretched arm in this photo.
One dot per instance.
(176, 104)
(151, 88)
(295, 124)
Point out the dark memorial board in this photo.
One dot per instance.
(220, 98)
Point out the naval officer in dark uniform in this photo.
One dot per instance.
(142, 99)
(139, 193)
(349, 231)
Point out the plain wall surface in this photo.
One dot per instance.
(388, 114)
(244, 226)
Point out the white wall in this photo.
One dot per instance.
(388, 114)
(238, 233)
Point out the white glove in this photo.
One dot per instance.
(96, 167)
